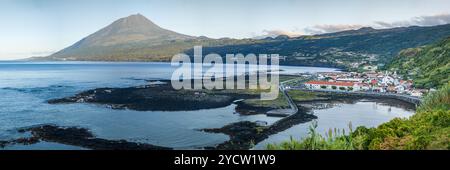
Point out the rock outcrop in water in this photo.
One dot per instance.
(77, 137)
(156, 97)
(243, 135)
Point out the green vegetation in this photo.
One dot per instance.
(279, 103)
(284, 78)
(342, 48)
(428, 66)
(299, 96)
(429, 128)
(294, 80)
(141, 51)
(334, 140)
(136, 38)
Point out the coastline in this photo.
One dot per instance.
(249, 134)
(75, 136)
(146, 62)
(243, 135)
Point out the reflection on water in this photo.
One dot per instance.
(317, 105)
(44, 146)
(338, 114)
(25, 88)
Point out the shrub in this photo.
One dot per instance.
(429, 128)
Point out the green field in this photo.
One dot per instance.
(279, 103)
(299, 96)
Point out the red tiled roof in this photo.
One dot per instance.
(331, 83)
(373, 81)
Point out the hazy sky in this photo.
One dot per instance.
(40, 27)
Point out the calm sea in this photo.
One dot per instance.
(26, 86)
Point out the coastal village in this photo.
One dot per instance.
(370, 80)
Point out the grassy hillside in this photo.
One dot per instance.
(341, 49)
(140, 51)
(429, 128)
(429, 66)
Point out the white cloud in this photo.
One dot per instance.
(275, 33)
(430, 20)
(321, 29)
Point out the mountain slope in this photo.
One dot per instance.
(135, 38)
(135, 28)
(429, 66)
(341, 49)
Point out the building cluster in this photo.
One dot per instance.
(372, 81)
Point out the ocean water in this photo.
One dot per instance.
(26, 86)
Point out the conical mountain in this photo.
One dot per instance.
(135, 31)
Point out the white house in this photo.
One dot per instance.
(350, 79)
(400, 89)
(361, 86)
(416, 93)
(325, 85)
(387, 80)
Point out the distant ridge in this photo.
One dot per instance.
(136, 38)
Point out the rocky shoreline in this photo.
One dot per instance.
(162, 97)
(75, 136)
(245, 109)
(245, 134)
(156, 97)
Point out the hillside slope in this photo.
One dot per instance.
(135, 38)
(429, 66)
(121, 38)
(343, 48)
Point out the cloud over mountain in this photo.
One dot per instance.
(275, 33)
(430, 20)
(426, 20)
(321, 29)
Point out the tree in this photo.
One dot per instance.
(341, 88)
(323, 87)
(333, 87)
